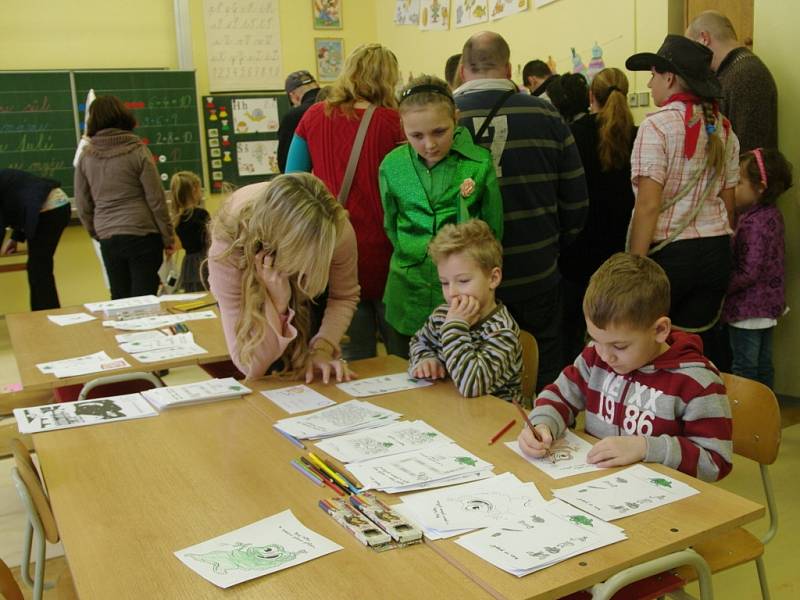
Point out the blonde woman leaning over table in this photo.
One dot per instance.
(275, 246)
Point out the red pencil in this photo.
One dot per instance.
(497, 435)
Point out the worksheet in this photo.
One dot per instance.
(298, 398)
(82, 365)
(160, 342)
(72, 319)
(567, 457)
(337, 420)
(193, 393)
(396, 438)
(625, 493)
(121, 303)
(383, 384)
(187, 297)
(170, 353)
(261, 548)
(137, 336)
(159, 321)
(63, 415)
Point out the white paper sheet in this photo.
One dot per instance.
(159, 354)
(124, 338)
(263, 547)
(567, 457)
(396, 438)
(383, 384)
(625, 493)
(82, 365)
(158, 343)
(158, 321)
(63, 415)
(298, 398)
(187, 297)
(72, 319)
(336, 420)
(133, 302)
(193, 393)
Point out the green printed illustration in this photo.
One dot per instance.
(245, 557)
(581, 520)
(661, 482)
(466, 460)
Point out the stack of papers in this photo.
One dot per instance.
(460, 509)
(164, 347)
(298, 398)
(82, 365)
(193, 393)
(126, 308)
(158, 321)
(567, 457)
(445, 464)
(63, 415)
(399, 437)
(548, 534)
(337, 420)
(628, 492)
(383, 384)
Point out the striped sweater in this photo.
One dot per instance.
(483, 359)
(678, 402)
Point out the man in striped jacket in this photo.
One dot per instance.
(541, 179)
(648, 392)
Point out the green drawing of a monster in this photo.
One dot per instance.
(246, 557)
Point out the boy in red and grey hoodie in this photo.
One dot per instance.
(648, 392)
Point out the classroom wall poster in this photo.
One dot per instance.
(406, 12)
(257, 158)
(434, 15)
(327, 14)
(255, 115)
(470, 12)
(329, 53)
(504, 8)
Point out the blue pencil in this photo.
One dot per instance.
(305, 472)
(291, 438)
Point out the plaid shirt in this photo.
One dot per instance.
(658, 153)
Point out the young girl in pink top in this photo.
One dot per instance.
(275, 246)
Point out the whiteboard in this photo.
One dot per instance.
(243, 43)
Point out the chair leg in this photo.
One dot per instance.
(24, 568)
(35, 531)
(762, 577)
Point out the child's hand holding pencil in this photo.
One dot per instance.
(533, 441)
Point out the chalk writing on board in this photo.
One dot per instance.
(243, 44)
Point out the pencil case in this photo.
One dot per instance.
(364, 530)
(396, 526)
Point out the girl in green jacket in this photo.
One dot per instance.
(439, 177)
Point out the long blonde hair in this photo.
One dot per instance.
(370, 73)
(297, 220)
(182, 188)
(615, 133)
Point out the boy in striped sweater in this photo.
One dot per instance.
(648, 392)
(472, 337)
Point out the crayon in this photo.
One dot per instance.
(497, 435)
(305, 472)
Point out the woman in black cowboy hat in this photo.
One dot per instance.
(684, 168)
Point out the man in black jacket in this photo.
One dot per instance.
(302, 89)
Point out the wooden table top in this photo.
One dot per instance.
(35, 339)
(127, 495)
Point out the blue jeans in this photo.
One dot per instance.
(369, 320)
(752, 353)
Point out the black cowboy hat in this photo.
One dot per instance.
(684, 57)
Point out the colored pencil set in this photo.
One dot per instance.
(324, 473)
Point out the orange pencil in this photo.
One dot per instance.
(525, 419)
(497, 435)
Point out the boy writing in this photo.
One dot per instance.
(649, 393)
(471, 337)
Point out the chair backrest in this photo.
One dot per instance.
(530, 364)
(8, 585)
(30, 476)
(124, 383)
(756, 419)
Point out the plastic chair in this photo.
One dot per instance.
(530, 366)
(8, 585)
(110, 385)
(41, 522)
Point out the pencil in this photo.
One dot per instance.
(299, 468)
(291, 438)
(336, 477)
(497, 435)
(326, 479)
(526, 420)
(348, 480)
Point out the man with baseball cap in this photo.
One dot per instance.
(302, 89)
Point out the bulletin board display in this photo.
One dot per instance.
(242, 136)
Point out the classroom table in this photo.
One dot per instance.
(127, 495)
(35, 339)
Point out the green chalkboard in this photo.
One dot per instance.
(37, 124)
(165, 106)
(242, 136)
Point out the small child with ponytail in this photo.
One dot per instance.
(755, 297)
(191, 223)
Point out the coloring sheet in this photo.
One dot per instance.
(158, 321)
(255, 115)
(399, 437)
(192, 393)
(124, 338)
(567, 457)
(158, 343)
(406, 12)
(82, 365)
(171, 353)
(63, 415)
(382, 384)
(457, 509)
(551, 533)
(72, 319)
(336, 420)
(187, 297)
(504, 8)
(434, 15)
(406, 472)
(263, 547)
(298, 398)
(470, 12)
(625, 493)
(258, 157)
(133, 302)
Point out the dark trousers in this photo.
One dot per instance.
(132, 263)
(573, 323)
(368, 322)
(541, 316)
(752, 353)
(698, 272)
(41, 248)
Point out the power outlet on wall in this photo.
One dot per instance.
(633, 100)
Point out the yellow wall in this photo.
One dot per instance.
(777, 43)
